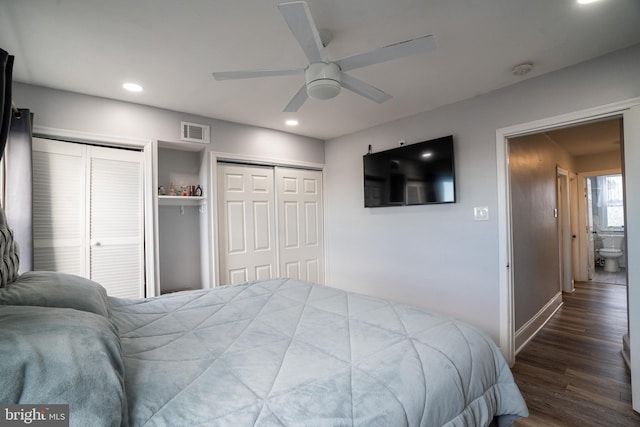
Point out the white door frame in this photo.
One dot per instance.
(582, 221)
(574, 202)
(150, 160)
(631, 147)
(506, 306)
(212, 195)
(564, 234)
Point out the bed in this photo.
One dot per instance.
(267, 353)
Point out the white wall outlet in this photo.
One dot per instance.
(481, 213)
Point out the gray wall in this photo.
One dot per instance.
(533, 160)
(438, 256)
(83, 113)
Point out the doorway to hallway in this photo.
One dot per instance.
(556, 218)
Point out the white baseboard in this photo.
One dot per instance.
(531, 328)
(626, 352)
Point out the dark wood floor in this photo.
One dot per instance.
(572, 373)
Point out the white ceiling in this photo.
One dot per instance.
(171, 47)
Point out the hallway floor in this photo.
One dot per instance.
(572, 373)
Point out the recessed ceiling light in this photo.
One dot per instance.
(587, 1)
(291, 122)
(132, 87)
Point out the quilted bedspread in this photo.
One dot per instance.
(291, 353)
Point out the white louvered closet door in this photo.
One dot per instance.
(88, 214)
(116, 254)
(59, 207)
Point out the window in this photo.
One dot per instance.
(610, 201)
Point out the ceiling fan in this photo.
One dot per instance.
(324, 78)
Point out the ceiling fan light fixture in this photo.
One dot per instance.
(323, 89)
(323, 80)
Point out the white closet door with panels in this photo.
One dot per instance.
(246, 213)
(300, 227)
(270, 223)
(88, 214)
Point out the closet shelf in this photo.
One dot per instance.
(181, 200)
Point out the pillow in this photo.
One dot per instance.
(49, 289)
(9, 258)
(63, 356)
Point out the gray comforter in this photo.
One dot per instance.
(270, 353)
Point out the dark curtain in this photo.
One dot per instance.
(6, 71)
(18, 200)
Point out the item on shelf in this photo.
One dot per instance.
(184, 191)
(198, 191)
(172, 190)
(162, 191)
(192, 190)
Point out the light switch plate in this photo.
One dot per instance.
(481, 213)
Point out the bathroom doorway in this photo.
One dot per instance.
(604, 207)
(595, 148)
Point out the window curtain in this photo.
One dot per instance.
(15, 153)
(18, 194)
(6, 72)
(609, 191)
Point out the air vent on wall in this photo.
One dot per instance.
(194, 132)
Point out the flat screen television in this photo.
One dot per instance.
(416, 174)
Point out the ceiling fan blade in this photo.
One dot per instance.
(363, 89)
(234, 75)
(301, 23)
(388, 53)
(298, 99)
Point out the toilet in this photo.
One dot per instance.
(611, 251)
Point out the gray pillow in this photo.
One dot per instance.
(63, 356)
(9, 254)
(49, 289)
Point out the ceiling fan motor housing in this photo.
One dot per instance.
(323, 80)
